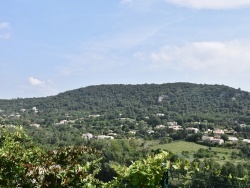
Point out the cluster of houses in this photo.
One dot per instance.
(211, 136)
(89, 136)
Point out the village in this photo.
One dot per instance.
(215, 136)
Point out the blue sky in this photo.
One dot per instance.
(51, 46)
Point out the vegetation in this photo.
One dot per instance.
(25, 165)
(137, 119)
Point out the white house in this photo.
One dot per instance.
(206, 138)
(94, 115)
(172, 123)
(212, 139)
(217, 140)
(132, 132)
(159, 126)
(35, 125)
(150, 131)
(232, 139)
(192, 130)
(87, 136)
(99, 137)
(175, 127)
(160, 115)
(246, 141)
(218, 131)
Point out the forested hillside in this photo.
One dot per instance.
(128, 125)
(183, 101)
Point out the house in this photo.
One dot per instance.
(87, 136)
(232, 139)
(160, 115)
(208, 131)
(35, 125)
(94, 115)
(217, 140)
(218, 131)
(212, 140)
(206, 138)
(132, 132)
(174, 128)
(159, 126)
(229, 131)
(191, 130)
(23, 110)
(150, 131)
(172, 123)
(246, 141)
(112, 134)
(35, 110)
(100, 137)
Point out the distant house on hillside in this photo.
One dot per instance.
(212, 140)
(99, 137)
(160, 115)
(94, 115)
(87, 136)
(35, 125)
(192, 130)
(246, 141)
(229, 132)
(232, 139)
(150, 131)
(218, 131)
(132, 132)
(160, 126)
(174, 128)
(217, 140)
(206, 138)
(172, 123)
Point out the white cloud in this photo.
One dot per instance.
(223, 58)
(211, 4)
(4, 25)
(4, 35)
(39, 88)
(35, 82)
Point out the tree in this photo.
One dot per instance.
(25, 165)
(224, 137)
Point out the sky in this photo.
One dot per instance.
(52, 46)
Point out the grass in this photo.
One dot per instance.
(222, 155)
(179, 146)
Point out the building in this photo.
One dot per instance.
(174, 128)
(160, 126)
(160, 115)
(218, 131)
(172, 123)
(232, 139)
(132, 131)
(246, 141)
(206, 138)
(192, 130)
(217, 140)
(212, 140)
(35, 125)
(87, 136)
(100, 137)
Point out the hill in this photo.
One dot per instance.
(185, 101)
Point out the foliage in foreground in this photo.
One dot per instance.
(24, 165)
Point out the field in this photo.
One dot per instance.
(220, 154)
